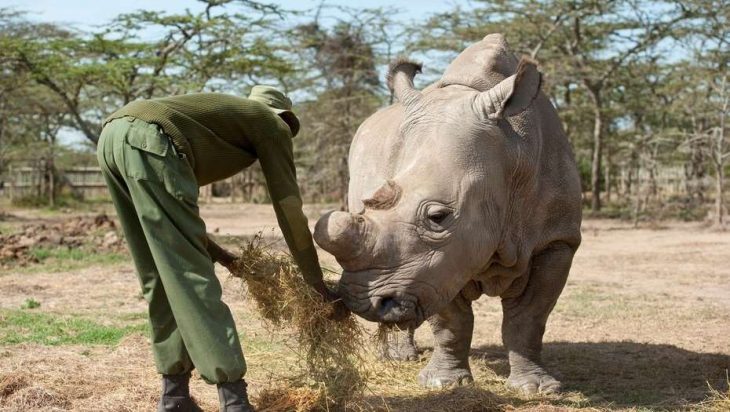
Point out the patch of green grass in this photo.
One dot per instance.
(19, 326)
(254, 344)
(30, 303)
(142, 316)
(7, 228)
(63, 259)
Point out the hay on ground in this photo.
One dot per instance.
(332, 370)
(11, 383)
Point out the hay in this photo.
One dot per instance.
(718, 399)
(285, 398)
(386, 337)
(332, 371)
(11, 383)
(36, 397)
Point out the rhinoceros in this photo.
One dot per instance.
(466, 188)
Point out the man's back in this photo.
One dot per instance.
(218, 133)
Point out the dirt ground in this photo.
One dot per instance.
(643, 324)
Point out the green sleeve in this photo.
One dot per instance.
(277, 162)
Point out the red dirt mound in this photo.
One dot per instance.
(98, 231)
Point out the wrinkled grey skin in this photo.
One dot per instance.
(464, 189)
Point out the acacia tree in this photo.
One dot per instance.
(703, 91)
(225, 43)
(340, 81)
(705, 104)
(579, 43)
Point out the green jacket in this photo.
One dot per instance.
(221, 135)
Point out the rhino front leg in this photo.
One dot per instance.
(397, 344)
(525, 317)
(452, 329)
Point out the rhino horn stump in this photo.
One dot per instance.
(339, 233)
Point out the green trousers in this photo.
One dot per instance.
(155, 194)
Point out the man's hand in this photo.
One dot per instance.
(220, 255)
(339, 310)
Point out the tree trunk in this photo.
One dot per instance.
(694, 172)
(41, 172)
(2, 132)
(719, 196)
(637, 197)
(720, 163)
(595, 94)
(51, 183)
(607, 175)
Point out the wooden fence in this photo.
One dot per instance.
(26, 181)
(88, 182)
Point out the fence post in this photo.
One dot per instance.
(11, 186)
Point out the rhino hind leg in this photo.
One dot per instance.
(525, 317)
(396, 344)
(452, 329)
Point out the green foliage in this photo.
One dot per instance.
(30, 303)
(339, 74)
(17, 326)
(61, 200)
(61, 259)
(30, 201)
(640, 86)
(224, 46)
(633, 81)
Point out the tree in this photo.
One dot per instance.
(580, 43)
(704, 91)
(340, 79)
(93, 74)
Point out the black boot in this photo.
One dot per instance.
(176, 394)
(233, 397)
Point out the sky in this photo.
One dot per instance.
(84, 14)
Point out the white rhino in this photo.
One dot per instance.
(466, 188)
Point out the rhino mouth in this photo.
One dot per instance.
(381, 301)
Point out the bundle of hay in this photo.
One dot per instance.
(333, 372)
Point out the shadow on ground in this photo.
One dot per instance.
(637, 374)
(608, 374)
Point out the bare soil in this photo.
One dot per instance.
(98, 232)
(643, 324)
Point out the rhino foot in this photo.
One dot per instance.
(531, 383)
(403, 352)
(434, 377)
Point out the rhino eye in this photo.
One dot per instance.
(438, 217)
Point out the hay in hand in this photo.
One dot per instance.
(332, 370)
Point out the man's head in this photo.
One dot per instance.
(278, 103)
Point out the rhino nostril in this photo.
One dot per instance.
(386, 305)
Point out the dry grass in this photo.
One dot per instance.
(337, 366)
(641, 326)
(717, 401)
(12, 383)
(119, 379)
(332, 370)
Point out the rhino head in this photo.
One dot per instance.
(416, 240)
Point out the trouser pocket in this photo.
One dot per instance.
(150, 156)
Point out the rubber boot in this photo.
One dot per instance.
(176, 394)
(233, 397)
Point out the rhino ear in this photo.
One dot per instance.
(385, 197)
(514, 94)
(400, 80)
